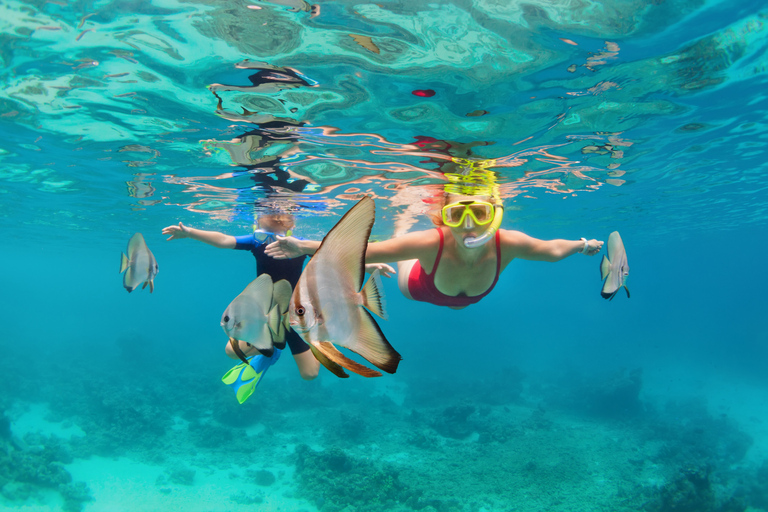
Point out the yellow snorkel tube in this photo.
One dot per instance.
(474, 178)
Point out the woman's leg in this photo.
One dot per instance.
(403, 273)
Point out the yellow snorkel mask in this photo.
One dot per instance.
(473, 180)
(480, 212)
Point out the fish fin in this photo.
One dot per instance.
(346, 243)
(332, 353)
(273, 321)
(145, 284)
(266, 335)
(128, 278)
(124, 262)
(267, 352)
(276, 327)
(281, 299)
(136, 243)
(373, 298)
(373, 346)
(236, 349)
(332, 367)
(151, 285)
(281, 295)
(627, 290)
(605, 267)
(280, 340)
(287, 321)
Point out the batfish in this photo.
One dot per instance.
(140, 266)
(258, 316)
(328, 305)
(614, 268)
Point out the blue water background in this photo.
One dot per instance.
(692, 214)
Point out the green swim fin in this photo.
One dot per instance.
(244, 378)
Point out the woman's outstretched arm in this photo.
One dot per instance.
(519, 245)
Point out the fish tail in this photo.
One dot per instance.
(273, 321)
(373, 298)
(281, 295)
(373, 346)
(334, 368)
(327, 349)
(605, 267)
(124, 262)
(276, 329)
(281, 299)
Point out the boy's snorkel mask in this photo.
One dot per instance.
(267, 237)
(474, 179)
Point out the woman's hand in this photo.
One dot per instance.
(593, 247)
(383, 268)
(180, 231)
(285, 247)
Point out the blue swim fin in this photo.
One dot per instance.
(244, 378)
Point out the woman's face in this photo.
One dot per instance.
(468, 228)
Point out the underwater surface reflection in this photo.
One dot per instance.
(586, 117)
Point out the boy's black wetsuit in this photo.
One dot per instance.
(289, 270)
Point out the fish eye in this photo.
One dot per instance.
(226, 319)
(300, 311)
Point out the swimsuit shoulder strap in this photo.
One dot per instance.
(498, 260)
(439, 253)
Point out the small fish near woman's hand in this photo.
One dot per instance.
(140, 265)
(614, 268)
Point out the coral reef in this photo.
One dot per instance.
(454, 421)
(263, 478)
(692, 491)
(37, 464)
(691, 435)
(333, 481)
(612, 396)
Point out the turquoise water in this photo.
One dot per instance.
(646, 118)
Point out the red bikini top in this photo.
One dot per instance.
(422, 285)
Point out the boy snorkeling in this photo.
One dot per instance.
(268, 227)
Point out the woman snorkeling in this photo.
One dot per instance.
(459, 262)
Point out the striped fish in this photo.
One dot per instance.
(328, 305)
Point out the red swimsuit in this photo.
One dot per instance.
(422, 285)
